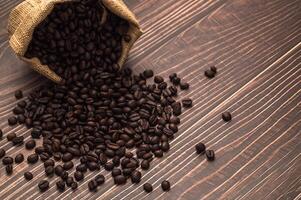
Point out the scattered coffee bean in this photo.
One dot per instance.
(226, 116)
(7, 160)
(172, 76)
(28, 176)
(99, 179)
(176, 80)
(74, 186)
(2, 153)
(92, 185)
(148, 187)
(17, 141)
(78, 176)
(60, 185)
(158, 79)
(145, 165)
(119, 180)
(30, 144)
(68, 165)
(49, 171)
(12, 121)
(210, 155)
(109, 166)
(18, 94)
(69, 181)
(19, 158)
(9, 169)
(148, 73)
(200, 148)
(184, 86)
(165, 185)
(116, 172)
(187, 103)
(58, 170)
(11, 136)
(209, 73)
(213, 68)
(33, 158)
(48, 163)
(136, 176)
(43, 185)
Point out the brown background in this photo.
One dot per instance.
(256, 46)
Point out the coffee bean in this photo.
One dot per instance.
(177, 108)
(17, 141)
(165, 146)
(158, 79)
(148, 73)
(60, 185)
(78, 176)
(58, 170)
(210, 155)
(9, 169)
(33, 158)
(200, 148)
(49, 170)
(68, 165)
(21, 119)
(127, 38)
(67, 157)
(209, 73)
(39, 150)
(74, 186)
(165, 185)
(176, 80)
(174, 120)
(99, 179)
(81, 168)
(22, 104)
(92, 185)
(184, 86)
(49, 162)
(119, 180)
(172, 76)
(226, 116)
(64, 175)
(7, 160)
(19, 158)
(12, 121)
(11, 136)
(43, 185)
(2, 153)
(18, 94)
(145, 165)
(36, 133)
(28, 176)
(116, 172)
(187, 103)
(18, 110)
(93, 166)
(136, 176)
(213, 68)
(30, 144)
(69, 181)
(148, 187)
(109, 166)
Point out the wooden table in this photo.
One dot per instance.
(256, 46)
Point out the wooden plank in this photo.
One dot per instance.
(256, 46)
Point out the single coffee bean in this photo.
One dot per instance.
(148, 187)
(18, 94)
(43, 185)
(184, 86)
(30, 144)
(210, 155)
(28, 176)
(200, 148)
(19, 158)
(226, 116)
(69, 181)
(18, 110)
(12, 121)
(64, 175)
(109, 166)
(165, 185)
(187, 103)
(22, 104)
(74, 186)
(145, 165)
(172, 76)
(60, 185)
(11, 136)
(2, 153)
(33, 158)
(116, 172)
(9, 169)
(81, 168)
(21, 119)
(7, 160)
(176, 80)
(58, 170)
(67, 157)
(119, 180)
(49, 171)
(136, 176)
(36, 133)
(165, 146)
(68, 165)
(209, 73)
(148, 73)
(17, 141)
(92, 185)
(49, 162)
(213, 68)
(78, 176)
(100, 179)
(158, 79)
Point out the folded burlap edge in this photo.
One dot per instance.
(28, 14)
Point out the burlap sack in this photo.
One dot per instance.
(27, 15)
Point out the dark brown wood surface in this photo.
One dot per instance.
(256, 46)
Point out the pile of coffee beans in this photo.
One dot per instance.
(100, 115)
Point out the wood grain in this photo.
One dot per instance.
(256, 46)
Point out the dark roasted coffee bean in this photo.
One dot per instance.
(30, 144)
(7, 160)
(93, 166)
(209, 73)
(187, 103)
(28, 176)
(43, 185)
(36, 133)
(39, 150)
(21, 119)
(49, 162)
(210, 155)
(226, 116)
(158, 79)
(74, 186)
(49, 171)
(67, 157)
(78, 176)
(200, 148)
(2, 153)
(64, 175)
(184, 86)
(109, 166)
(58, 170)
(99, 179)
(213, 68)
(172, 76)
(81, 168)
(145, 165)
(18, 110)
(173, 127)
(17, 141)
(136, 176)
(18, 94)
(165, 146)
(68, 165)
(60, 185)
(165, 185)
(148, 73)
(176, 80)
(148, 187)
(177, 108)
(12, 121)
(11, 136)
(116, 172)
(129, 154)
(92, 185)
(19, 158)
(158, 153)
(9, 169)
(33, 158)
(119, 180)
(69, 181)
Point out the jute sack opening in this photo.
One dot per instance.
(26, 16)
